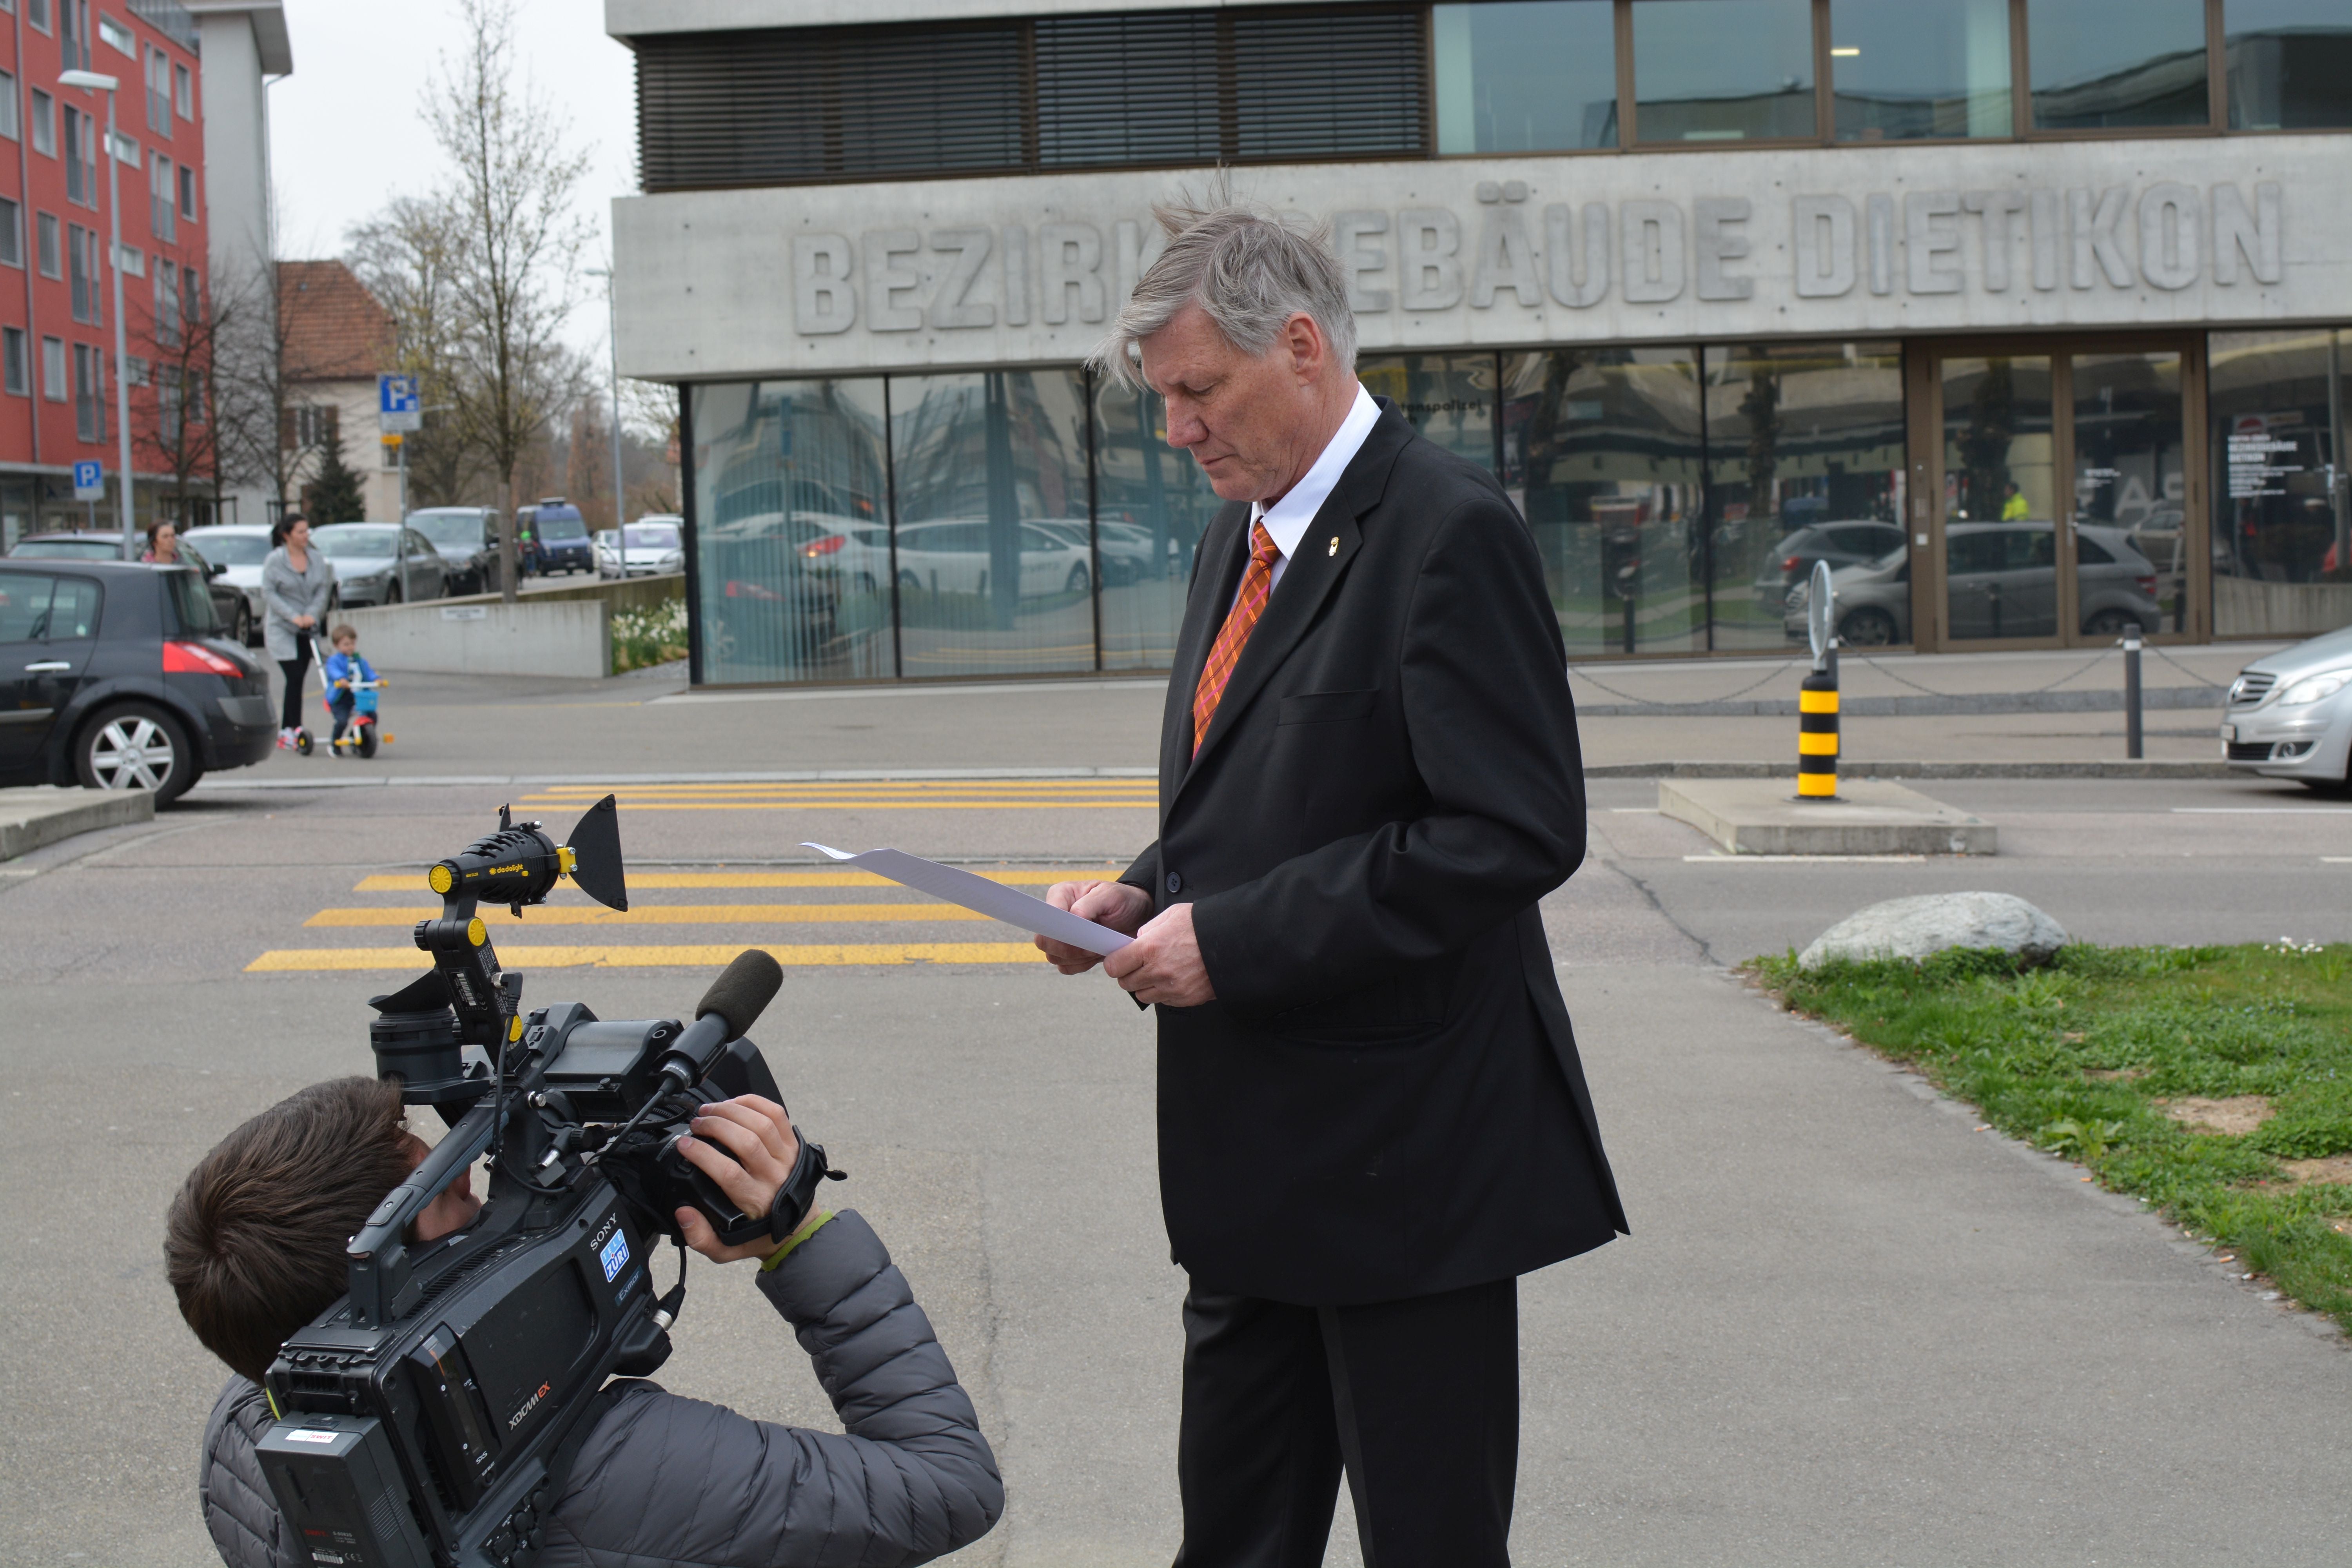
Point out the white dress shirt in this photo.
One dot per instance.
(1287, 521)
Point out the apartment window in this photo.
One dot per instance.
(53, 369)
(16, 374)
(192, 295)
(116, 37)
(1526, 76)
(44, 123)
(81, 270)
(12, 232)
(2289, 64)
(89, 393)
(52, 256)
(159, 92)
(1723, 70)
(130, 257)
(2113, 65)
(37, 12)
(312, 426)
(163, 205)
(183, 91)
(1904, 69)
(188, 192)
(167, 305)
(7, 106)
(82, 157)
(73, 33)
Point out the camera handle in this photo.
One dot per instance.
(378, 1254)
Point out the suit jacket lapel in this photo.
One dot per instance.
(1324, 551)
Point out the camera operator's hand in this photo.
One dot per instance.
(746, 1145)
(1114, 904)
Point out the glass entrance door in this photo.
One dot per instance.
(2062, 511)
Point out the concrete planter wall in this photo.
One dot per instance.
(2244, 608)
(565, 631)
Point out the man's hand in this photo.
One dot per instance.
(1114, 904)
(748, 1147)
(1163, 963)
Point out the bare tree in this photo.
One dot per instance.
(519, 244)
(408, 256)
(256, 429)
(183, 437)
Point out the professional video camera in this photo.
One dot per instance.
(428, 1416)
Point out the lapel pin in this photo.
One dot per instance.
(1334, 548)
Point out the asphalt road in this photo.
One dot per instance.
(1849, 1329)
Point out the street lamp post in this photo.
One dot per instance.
(96, 81)
(613, 337)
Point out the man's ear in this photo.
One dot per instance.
(1304, 341)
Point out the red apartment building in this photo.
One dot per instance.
(57, 328)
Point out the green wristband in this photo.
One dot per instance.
(809, 1227)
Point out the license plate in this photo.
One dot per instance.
(2228, 733)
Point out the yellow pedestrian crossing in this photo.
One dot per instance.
(410, 881)
(695, 956)
(875, 794)
(662, 915)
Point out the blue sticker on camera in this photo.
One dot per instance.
(616, 1256)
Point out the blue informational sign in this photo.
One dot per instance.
(398, 408)
(90, 481)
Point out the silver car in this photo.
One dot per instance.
(2290, 714)
(381, 563)
(238, 548)
(2001, 580)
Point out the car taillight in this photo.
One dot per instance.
(1794, 564)
(196, 658)
(2146, 585)
(829, 546)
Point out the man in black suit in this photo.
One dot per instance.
(1371, 1115)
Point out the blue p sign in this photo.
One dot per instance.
(90, 481)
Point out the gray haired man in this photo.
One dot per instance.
(1372, 1118)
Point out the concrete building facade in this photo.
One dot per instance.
(2027, 315)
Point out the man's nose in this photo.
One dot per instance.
(1185, 430)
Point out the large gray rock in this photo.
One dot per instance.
(1916, 928)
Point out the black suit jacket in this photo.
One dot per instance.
(1384, 1100)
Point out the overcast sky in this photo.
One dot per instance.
(346, 136)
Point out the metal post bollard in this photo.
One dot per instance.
(2132, 747)
(1817, 700)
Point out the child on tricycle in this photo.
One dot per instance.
(352, 685)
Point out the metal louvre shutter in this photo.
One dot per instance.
(913, 102)
(1332, 84)
(1134, 89)
(728, 109)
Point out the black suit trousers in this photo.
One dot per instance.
(1418, 1401)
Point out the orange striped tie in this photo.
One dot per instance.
(1257, 582)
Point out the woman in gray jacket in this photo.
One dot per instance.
(296, 584)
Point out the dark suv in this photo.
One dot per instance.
(117, 675)
(467, 539)
(553, 539)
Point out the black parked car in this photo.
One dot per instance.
(467, 539)
(230, 607)
(116, 676)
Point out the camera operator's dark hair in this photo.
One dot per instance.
(254, 1243)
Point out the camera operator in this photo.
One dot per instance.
(254, 1247)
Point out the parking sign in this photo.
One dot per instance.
(398, 408)
(90, 481)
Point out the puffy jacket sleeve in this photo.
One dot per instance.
(667, 1479)
(240, 1513)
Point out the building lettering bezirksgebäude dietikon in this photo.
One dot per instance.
(1815, 242)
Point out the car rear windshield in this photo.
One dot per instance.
(224, 549)
(649, 536)
(106, 548)
(450, 529)
(559, 527)
(351, 541)
(191, 603)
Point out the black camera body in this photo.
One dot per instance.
(427, 1418)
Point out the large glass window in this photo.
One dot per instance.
(2131, 538)
(792, 512)
(2290, 64)
(1450, 398)
(1153, 504)
(1723, 70)
(2001, 527)
(994, 554)
(2282, 515)
(1910, 69)
(2104, 65)
(1603, 450)
(1805, 463)
(1526, 76)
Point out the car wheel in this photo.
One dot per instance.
(910, 582)
(136, 746)
(2111, 623)
(1076, 582)
(392, 591)
(240, 630)
(1867, 629)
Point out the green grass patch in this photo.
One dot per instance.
(2083, 1057)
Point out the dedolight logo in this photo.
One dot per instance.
(529, 1405)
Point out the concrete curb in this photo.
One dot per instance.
(34, 818)
(1920, 707)
(2117, 769)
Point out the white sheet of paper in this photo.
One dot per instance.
(993, 899)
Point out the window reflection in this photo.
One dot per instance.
(793, 539)
(1910, 69)
(1602, 451)
(2281, 538)
(2000, 529)
(1805, 460)
(995, 568)
(2131, 565)
(2114, 64)
(2290, 64)
(1450, 398)
(1153, 503)
(1526, 76)
(1723, 70)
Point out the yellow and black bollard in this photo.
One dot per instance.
(1817, 736)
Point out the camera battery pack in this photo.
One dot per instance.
(340, 1492)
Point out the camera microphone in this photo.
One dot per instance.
(727, 1012)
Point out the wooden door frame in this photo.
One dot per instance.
(1923, 396)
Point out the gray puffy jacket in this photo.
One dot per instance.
(663, 1480)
